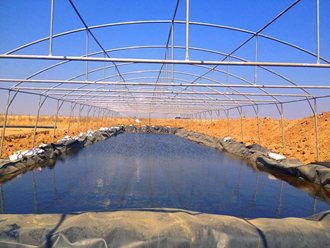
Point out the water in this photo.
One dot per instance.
(155, 171)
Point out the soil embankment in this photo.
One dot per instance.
(299, 135)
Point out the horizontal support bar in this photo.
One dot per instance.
(274, 86)
(159, 110)
(127, 97)
(159, 97)
(160, 92)
(157, 101)
(163, 61)
(163, 103)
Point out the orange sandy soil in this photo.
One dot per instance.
(299, 134)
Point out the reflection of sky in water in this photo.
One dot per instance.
(154, 171)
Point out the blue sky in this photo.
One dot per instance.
(23, 21)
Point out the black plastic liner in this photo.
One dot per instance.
(161, 228)
(255, 155)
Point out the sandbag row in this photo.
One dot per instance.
(263, 158)
(45, 154)
(150, 129)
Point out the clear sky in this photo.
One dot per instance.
(23, 21)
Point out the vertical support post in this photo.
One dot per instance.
(187, 28)
(5, 119)
(59, 106)
(172, 52)
(280, 110)
(217, 116)
(211, 117)
(41, 102)
(107, 118)
(282, 123)
(104, 69)
(228, 125)
(73, 105)
(111, 115)
(166, 69)
(318, 30)
(81, 107)
(84, 120)
(87, 45)
(316, 131)
(256, 60)
(240, 111)
(88, 118)
(98, 117)
(256, 110)
(104, 117)
(227, 71)
(101, 116)
(51, 25)
(93, 118)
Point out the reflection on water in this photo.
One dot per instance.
(35, 194)
(2, 209)
(253, 201)
(279, 206)
(155, 171)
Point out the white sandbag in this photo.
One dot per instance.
(42, 145)
(276, 156)
(15, 156)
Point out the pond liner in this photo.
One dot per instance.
(255, 155)
(161, 228)
(51, 152)
(258, 156)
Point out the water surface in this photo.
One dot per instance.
(155, 171)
